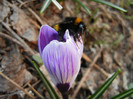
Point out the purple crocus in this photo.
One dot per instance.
(61, 58)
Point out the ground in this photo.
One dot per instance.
(108, 46)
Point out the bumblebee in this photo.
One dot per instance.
(75, 26)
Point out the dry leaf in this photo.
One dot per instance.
(13, 67)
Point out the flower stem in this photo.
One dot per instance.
(65, 95)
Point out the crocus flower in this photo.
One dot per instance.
(61, 58)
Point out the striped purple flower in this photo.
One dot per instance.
(61, 58)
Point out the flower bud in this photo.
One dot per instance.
(61, 59)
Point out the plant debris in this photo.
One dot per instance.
(107, 28)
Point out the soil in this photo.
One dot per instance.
(107, 28)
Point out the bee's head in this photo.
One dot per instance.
(80, 24)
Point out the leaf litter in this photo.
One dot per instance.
(106, 27)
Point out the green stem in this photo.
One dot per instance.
(47, 84)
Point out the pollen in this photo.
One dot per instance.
(77, 21)
(56, 27)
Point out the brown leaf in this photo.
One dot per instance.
(13, 67)
(23, 25)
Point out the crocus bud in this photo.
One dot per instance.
(61, 58)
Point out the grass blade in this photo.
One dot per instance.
(57, 4)
(47, 84)
(45, 5)
(81, 4)
(110, 4)
(38, 59)
(103, 88)
(124, 94)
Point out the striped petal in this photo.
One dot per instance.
(62, 60)
(46, 35)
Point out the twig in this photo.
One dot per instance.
(95, 65)
(35, 91)
(18, 38)
(35, 23)
(22, 4)
(117, 62)
(37, 82)
(11, 39)
(86, 74)
(18, 86)
(26, 83)
(37, 17)
(9, 94)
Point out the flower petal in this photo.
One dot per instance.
(78, 44)
(62, 61)
(46, 35)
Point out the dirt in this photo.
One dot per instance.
(106, 27)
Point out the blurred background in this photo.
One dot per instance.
(108, 29)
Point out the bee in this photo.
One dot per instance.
(75, 26)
